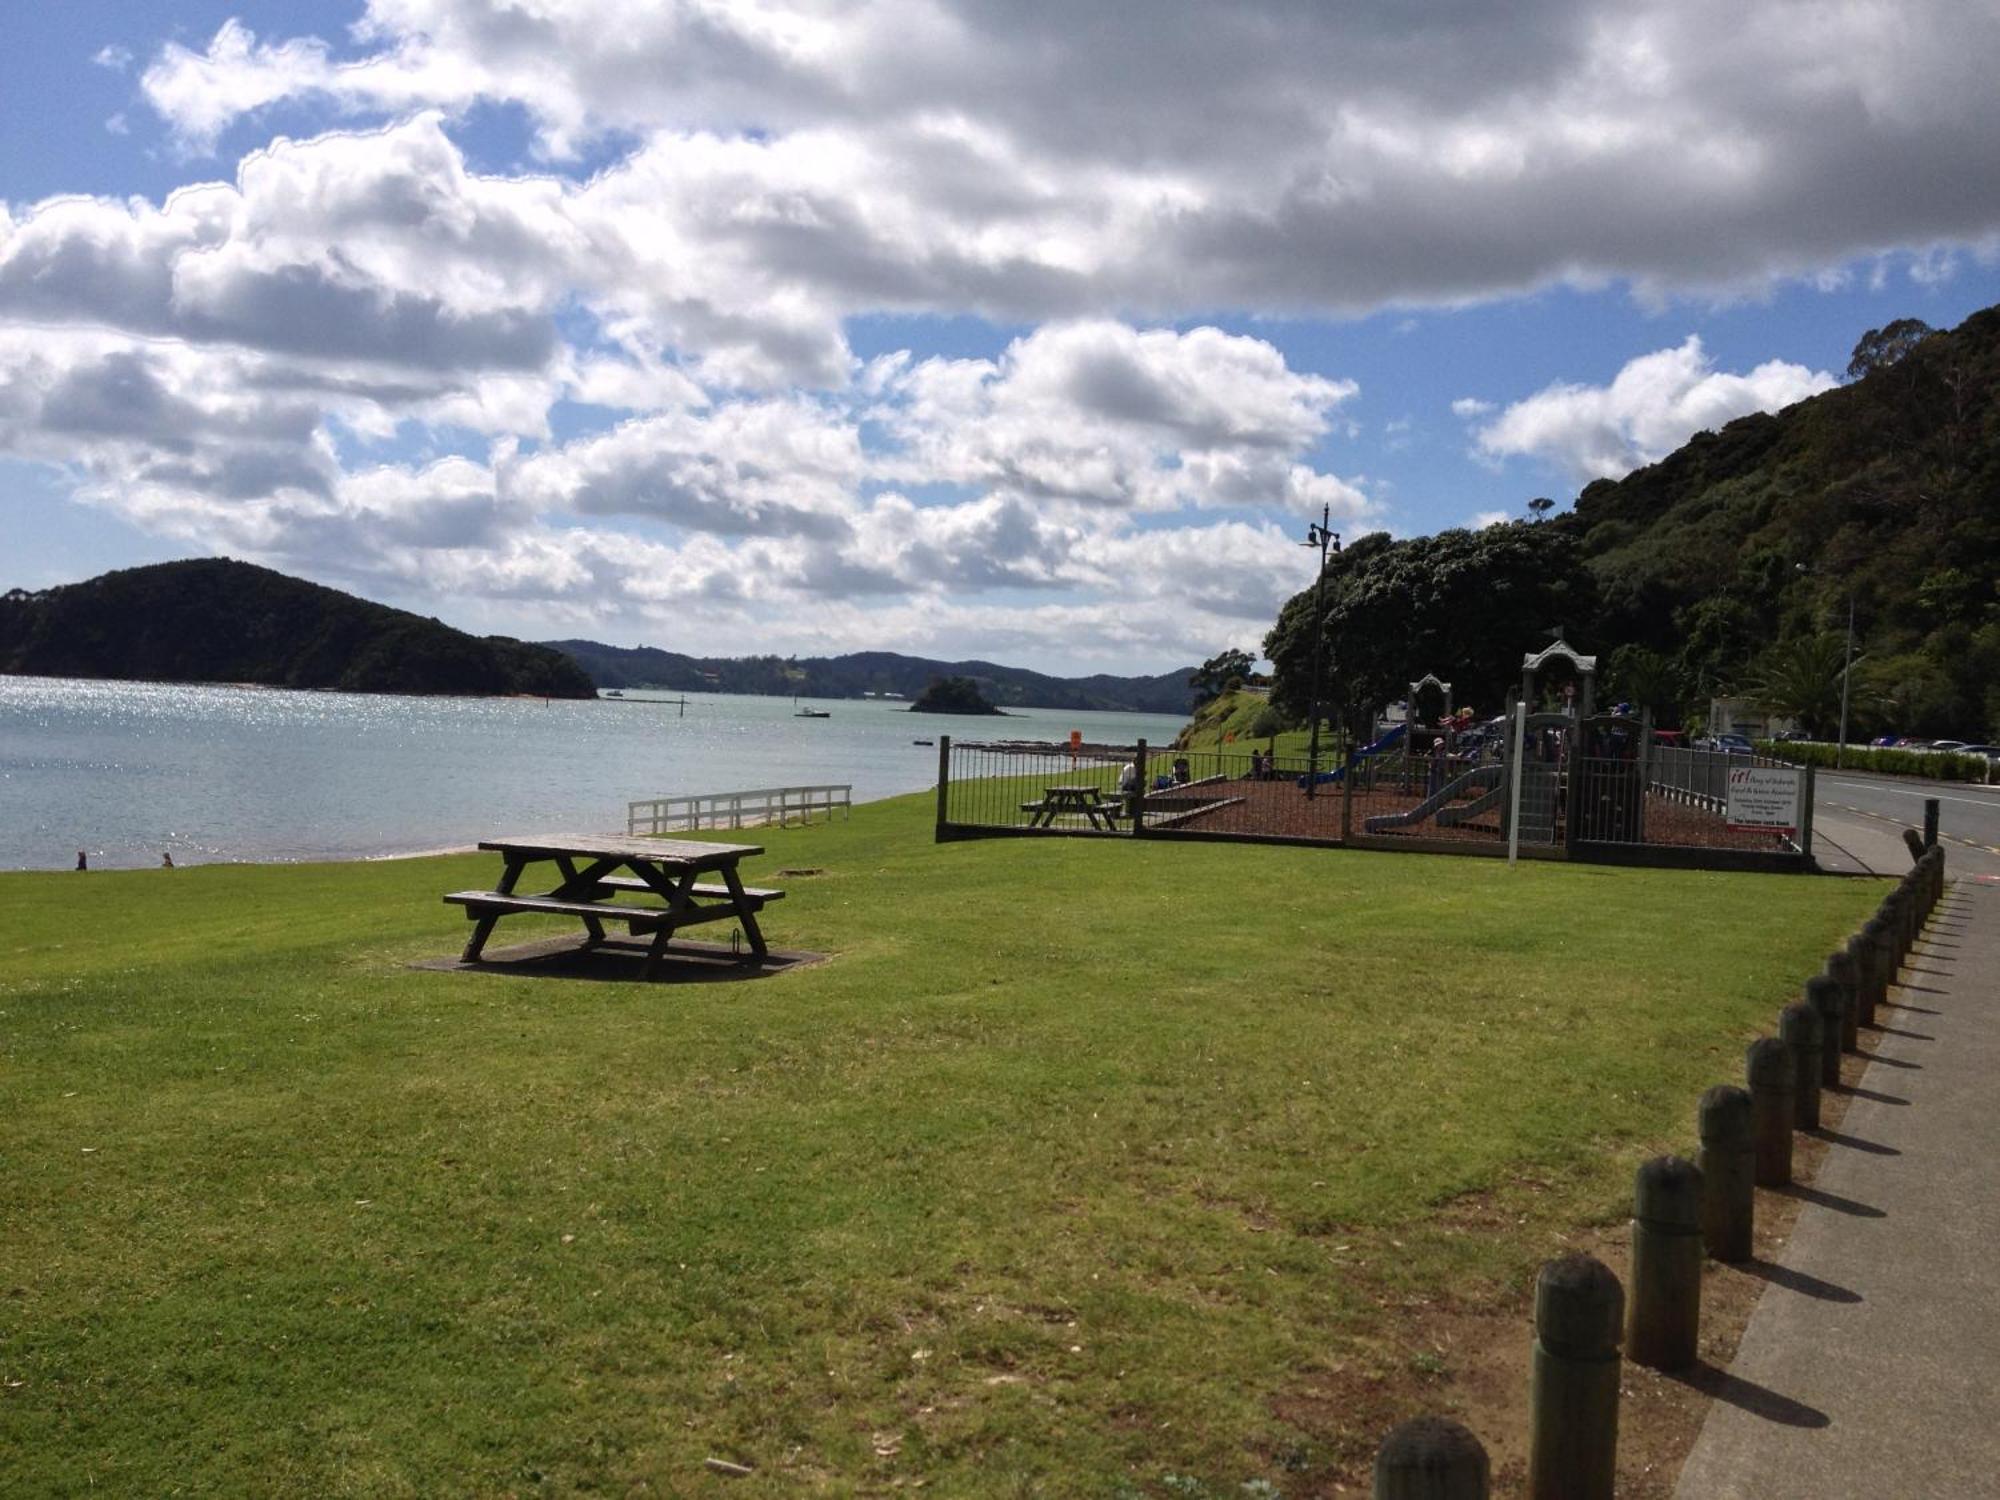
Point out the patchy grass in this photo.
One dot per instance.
(1072, 1169)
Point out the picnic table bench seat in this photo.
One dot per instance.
(637, 917)
(758, 894)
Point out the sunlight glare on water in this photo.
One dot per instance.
(128, 770)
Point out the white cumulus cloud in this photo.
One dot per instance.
(1653, 405)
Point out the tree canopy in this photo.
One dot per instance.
(1218, 674)
(1467, 605)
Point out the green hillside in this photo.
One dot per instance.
(1728, 567)
(873, 672)
(215, 620)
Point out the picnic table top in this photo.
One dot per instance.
(623, 846)
(1070, 791)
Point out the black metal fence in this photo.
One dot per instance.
(1619, 804)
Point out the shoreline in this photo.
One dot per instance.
(439, 851)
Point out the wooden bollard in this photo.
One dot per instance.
(1868, 982)
(1431, 1458)
(1871, 951)
(1890, 915)
(1772, 1075)
(1914, 842)
(1799, 1028)
(1573, 1391)
(1888, 958)
(1842, 970)
(1665, 1324)
(1830, 1002)
(1728, 1173)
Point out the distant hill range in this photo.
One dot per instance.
(214, 620)
(873, 672)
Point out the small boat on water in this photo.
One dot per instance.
(808, 713)
(613, 693)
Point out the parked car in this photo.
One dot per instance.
(1728, 744)
(1950, 745)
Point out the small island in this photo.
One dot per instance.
(954, 695)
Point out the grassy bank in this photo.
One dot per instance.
(1077, 1170)
(1234, 719)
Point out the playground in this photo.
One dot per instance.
(1534, 781)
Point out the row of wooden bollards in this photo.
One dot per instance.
(1681, 1211)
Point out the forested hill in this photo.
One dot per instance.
(863, 672)
(1886, 490)
(1726, 568)
(214, 620)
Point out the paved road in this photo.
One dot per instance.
(1849, 807)
(1870, 1365)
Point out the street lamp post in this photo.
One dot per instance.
(1318, 535)
(1846, 675)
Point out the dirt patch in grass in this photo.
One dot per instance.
(1470, 1361)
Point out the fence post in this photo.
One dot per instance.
(1431, 1458)
(1514, 780)
(1828, 1000)
(1799, 1029)
(1930, 822)
(1573, 1391)
(944, 783)
(1139, 791)
(1771, 1071)
(1841, 969)
(1728, 1173)
(1806, 815)
(1665, 1326)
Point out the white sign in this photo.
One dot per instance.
(1765, 797)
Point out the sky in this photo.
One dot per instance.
(1030, 331)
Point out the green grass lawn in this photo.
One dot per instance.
(1077, 1160)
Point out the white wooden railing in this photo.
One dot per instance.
(754, 809)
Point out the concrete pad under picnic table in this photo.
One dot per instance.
(620, 960)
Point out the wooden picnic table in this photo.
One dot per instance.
(664, 872)
(1090, 801)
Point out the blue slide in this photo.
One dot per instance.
(1393, 737)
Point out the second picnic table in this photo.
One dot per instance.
(587, 865)
(1089, 801)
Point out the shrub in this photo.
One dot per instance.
(1930, 763)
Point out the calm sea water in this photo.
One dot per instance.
(127, 770)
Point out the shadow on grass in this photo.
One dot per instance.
(617, 962)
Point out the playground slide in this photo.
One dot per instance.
(1481, 777)
(1451, 817)
(1393, 737)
